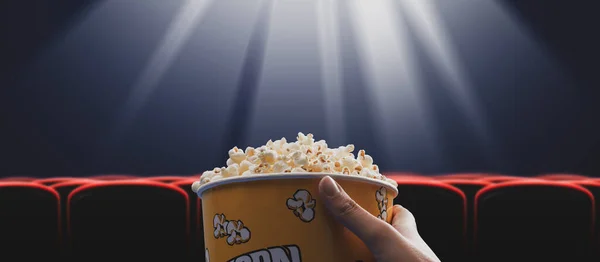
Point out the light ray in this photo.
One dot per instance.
(423, 16)
(405, 125)
(327, 14)
(176, 36)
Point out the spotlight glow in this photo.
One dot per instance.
(405, 126)
(179, 31)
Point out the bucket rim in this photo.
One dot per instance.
(287, 176)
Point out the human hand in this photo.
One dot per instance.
(399, 241)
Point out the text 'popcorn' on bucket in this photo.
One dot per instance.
(302, 156)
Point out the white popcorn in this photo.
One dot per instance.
(245, 165)
(365, 160)
(369, 173)
(261, 149)
(230, 162)
(346, 171)
(207, 174)
(203, 181)
(237, 155)
(337, 166)
(321, 146)
(300, 159)
(195, 186)
(298, 170)
(268, 156)
(284, 158)
(315, 166)
(254, 160)
(231, 171)
(391, 181)
(305, 139)
(349, 162)
(280, 167)
(278, 145)
(291, 147)
(250, 151)
(301, 156)
(375, 168)
(262, 168)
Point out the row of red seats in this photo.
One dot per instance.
(107, 216)
(505, 218)
(482, 217)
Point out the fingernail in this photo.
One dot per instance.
(330, 187)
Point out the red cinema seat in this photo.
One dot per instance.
(470, 188)
(406, 176)
(29, 221)
(64, 189)
(166, 179)
(594, 188)
(440, 211)
(113, 177)
(464, 176)
(129, 218)
(534, 219)
(53, 180)
(197, 237)
(501, 179)
(17, 179)
(559, 177)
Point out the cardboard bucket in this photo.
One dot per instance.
(280, 217)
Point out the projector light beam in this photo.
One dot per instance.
(177, 35)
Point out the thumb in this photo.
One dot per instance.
(404, 222)
(371, 230)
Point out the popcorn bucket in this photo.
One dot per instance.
(280, 217)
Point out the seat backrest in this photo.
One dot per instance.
(470, 189)
(113, 177)
(53, 180)
(501, 179)
(560, 177)
(533, 218)
(139, 218)
(467, 186)
(29, 220)
(440, 211)
(64, 189)
(166, 179)
(594, 188)
(464, 176)
(197, 236)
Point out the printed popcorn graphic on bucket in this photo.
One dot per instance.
(381, 196)
(303, 205)
(220, 225)
(238, 233)
(235, 231)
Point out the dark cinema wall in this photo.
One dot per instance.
(68, 68)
